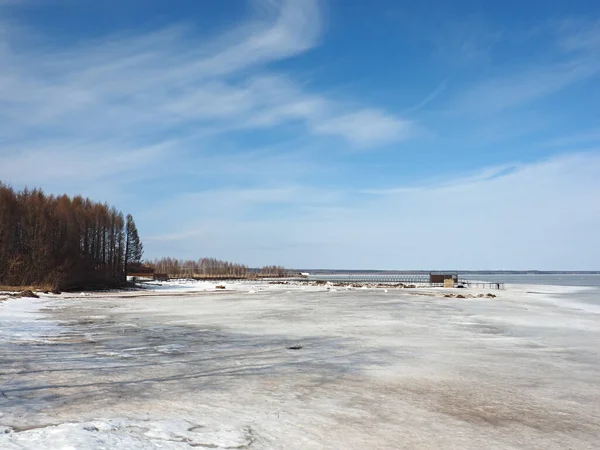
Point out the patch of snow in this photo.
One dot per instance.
(21, 320)
(128, 434)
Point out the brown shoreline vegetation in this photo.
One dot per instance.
(61, 242)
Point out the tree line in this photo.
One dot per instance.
(208, 267)
(278, 271)
(64, 242)
(204, 266)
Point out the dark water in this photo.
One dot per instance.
(553, 280)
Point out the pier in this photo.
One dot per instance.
(421, 280)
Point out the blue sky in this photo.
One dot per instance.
(334, 134)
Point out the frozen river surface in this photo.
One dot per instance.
(291, 367)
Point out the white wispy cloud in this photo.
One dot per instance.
(531, 84)
(66, 160)
(132, 90)
(538, 215)
(469, 39)
(579, 35)
(366, 127)
(430, 97)
(571, 55)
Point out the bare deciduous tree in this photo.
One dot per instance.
(61, 241)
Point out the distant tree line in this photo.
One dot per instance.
(208, 267)
(64, 242)
(278, 271)
(190, 268)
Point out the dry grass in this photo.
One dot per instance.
(34, 288)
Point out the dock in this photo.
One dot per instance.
(421, 280)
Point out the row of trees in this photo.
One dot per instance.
(278, 271)
(203, 266)
(209, 267)
(64, 242)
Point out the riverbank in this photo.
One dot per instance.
(261, 365)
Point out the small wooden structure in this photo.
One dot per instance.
(441, 277)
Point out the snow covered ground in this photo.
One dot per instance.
(261, 366)
(21, 321)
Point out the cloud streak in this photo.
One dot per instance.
(523, 216)
(575, 57)
(536, 82)
(132, 91)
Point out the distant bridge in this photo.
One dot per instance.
(371, 278)
(416, 279)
